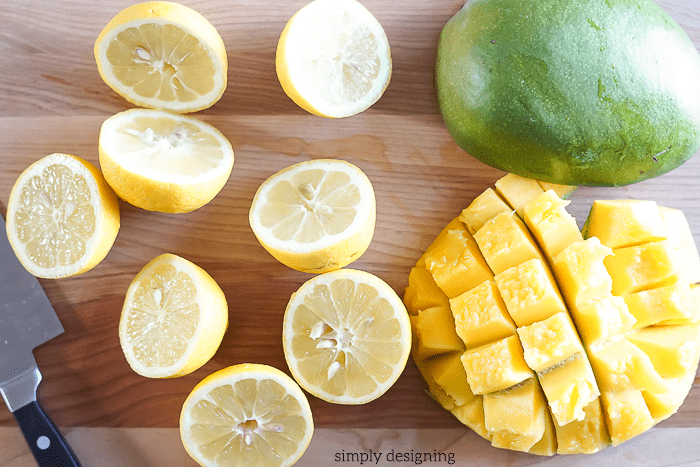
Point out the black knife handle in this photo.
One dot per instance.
(49, 447)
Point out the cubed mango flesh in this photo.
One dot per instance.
(529, 292)
(547, 446)
(505, 242)
(621, 223)
(620, 365)
(457, 264)
(673, 350)
(626, 414)
(485, 207)
(435, 391)
(517, 190)
(581, 273)
(663, 405)
(641, 267)
(551, 225)
(481, 316)
(495, 366)
(515, 417)
(569, 387)
(678, 303)
(602, 318)
(422, 291)
(471, 414)
(448, 372)
(549, 342)
(562, 191)
(586, 436)
(434, 330)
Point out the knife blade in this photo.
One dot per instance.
(27, 320)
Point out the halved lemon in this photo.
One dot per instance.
(173, 319)
(333, 58)
(162, 161)
(315, 216)
(62, 216)
(163, 55)
(246, 415)
(346, 336)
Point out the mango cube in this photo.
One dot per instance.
(678, 302)
(434, 329)
(663, 405)
(620, 365)
(569, 387)
(627, 414)
(456, 263)
(422, 291)
(551, 225)
(435, 391)
(550, 341)
(448, 373)
(673, 350)
(517, 190)
(529, 292)
(581, 272)
(505, 242)
(586, 436)
(602, 318)
(516, 417)
(621, 223)
(678, 233)
(481, 316)
(472, 415)
(547, 446)
(485, 207)
(454, 224)
(636, 268)
(495, 366)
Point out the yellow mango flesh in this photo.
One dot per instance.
(456, 263)
(481, 316)
(623, 223)
(434, 329)
(569, 388)
(529, 293)
(422, 291)
(550, 224)
(621, 376)
(505, 242)
(516, 417)
(485, 207)
(496, 366)
(517, 190)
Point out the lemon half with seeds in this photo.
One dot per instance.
(62, 217)
(162, 161)
(333, 58)
(163, 55)
(346, 336)
(246, 415)
(315, 216)
(173, 319)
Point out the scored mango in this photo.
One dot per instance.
(548, 339)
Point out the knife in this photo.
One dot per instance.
(27, 320)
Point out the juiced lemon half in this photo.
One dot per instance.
(62, 217)
(333, 58)
(346, 336)
(162, 161)
(315, 216)
(163, 55)
(173, 319)
(246, 414)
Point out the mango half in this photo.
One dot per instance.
(548, 340)
(574, 92)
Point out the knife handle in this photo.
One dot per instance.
(49, 447)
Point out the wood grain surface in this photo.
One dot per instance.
(53, 100)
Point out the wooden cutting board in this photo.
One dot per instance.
(53, 100)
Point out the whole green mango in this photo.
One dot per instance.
(576, 92)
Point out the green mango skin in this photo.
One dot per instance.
(576, 92)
